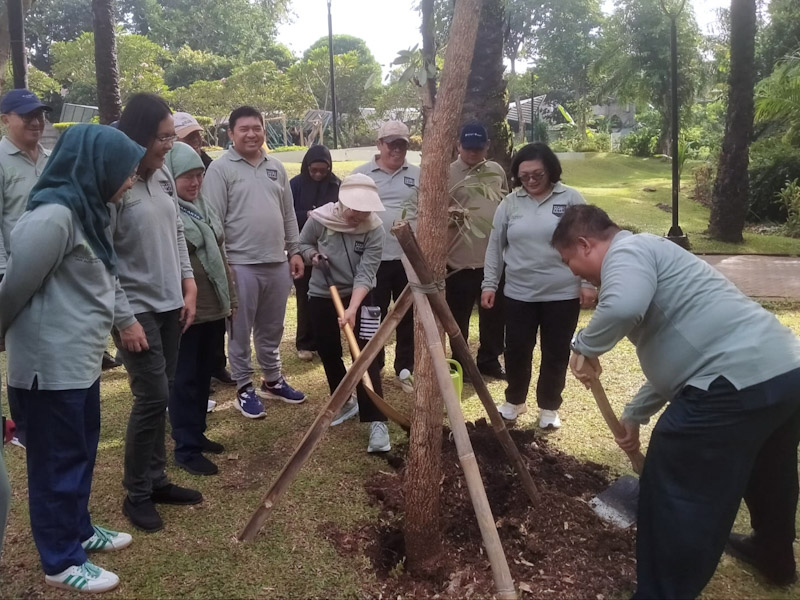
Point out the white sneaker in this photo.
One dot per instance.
(379, 437)
(106, 540)
(211, 405)
(549, 419)
(84, 578)
(305, 355)
(406, 381)
(348, 411)
(510, 412)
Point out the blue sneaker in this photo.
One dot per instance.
(248, 403)
(281, 391)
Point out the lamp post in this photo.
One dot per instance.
(675, 232)
(333, 85)
(16, 32)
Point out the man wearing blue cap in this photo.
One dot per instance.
(476, 188)
(22, 160)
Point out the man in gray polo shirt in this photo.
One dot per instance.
(251, 195)
(398, 186)
(22, 160)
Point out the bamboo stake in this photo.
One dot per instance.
(461, 350)
(320, 425)
(503, 583)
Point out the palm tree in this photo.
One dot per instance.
(105, 58)
(778, 96)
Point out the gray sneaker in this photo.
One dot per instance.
(348, 411)
(379, 437)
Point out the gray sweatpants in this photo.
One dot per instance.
(262, 291)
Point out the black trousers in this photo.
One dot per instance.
(555, 322)
(709, 450)
(391, 281)
(325, 326)
(216, 348)
(188, 398)
(304, 340)
(463, 292)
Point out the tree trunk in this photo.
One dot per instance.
(486, 95)
(428, 30)
(5, 42)
(423, 471)
(105, 59)
(729, 198)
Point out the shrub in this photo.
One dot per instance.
(704, 176)
(63, 126)
(639, 142)
(789, 196)
(772, 164)
(288, 148)
(415, 142)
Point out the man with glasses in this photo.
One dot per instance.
(398, 186)
(22, 160)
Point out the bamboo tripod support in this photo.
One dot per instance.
(460, 348)
(503, 583)
(323, 420)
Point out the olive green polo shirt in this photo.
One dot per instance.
(18, 175)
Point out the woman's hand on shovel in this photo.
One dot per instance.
(585, 368)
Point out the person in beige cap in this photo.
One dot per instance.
(398, 186)
(350, 236)
(190, 132)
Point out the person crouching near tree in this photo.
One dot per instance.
(730, 374)
(58, 292)
(216, 298)
(350, 236)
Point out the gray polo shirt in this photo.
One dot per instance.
(354, 257)
(147, 231)
(255, 206)
(520, 239)
(56, 303)
(399, 192)
(18, 175)
(689, 324)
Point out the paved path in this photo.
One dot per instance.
(761, 276)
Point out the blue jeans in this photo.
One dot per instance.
(62, 447)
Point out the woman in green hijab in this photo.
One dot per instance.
(216, 297)
(58, 292)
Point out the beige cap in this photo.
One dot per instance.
(390, 131)
(359, 192)
(185, 124)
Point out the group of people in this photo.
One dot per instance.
(126, 230)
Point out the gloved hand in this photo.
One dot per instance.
(8, 430)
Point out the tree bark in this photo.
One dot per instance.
(729, 198)
(105, 58)
(486, 98)
(428, 30)
(423, 471)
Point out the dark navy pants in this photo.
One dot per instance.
(63, 432)
(709, 450)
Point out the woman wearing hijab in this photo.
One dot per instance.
(215, 299)
(58, 292)
(349, 235)
(314, 187)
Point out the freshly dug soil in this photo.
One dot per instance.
(558, 549)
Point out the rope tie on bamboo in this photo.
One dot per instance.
(428, 288)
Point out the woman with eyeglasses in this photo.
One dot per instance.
(541, 294)
(155, 304)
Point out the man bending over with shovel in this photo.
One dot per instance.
(731, 374)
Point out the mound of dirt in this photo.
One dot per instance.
(559, 548)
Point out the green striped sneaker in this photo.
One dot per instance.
(105, 540)
(87, 578)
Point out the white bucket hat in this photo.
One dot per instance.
(359, 192)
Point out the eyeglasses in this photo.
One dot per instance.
(166, 139)
(36, 115)
(397, 145)
(535, 176)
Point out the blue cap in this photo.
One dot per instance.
(21, 101)
(474, 136)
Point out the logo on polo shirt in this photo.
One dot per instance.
(409, 181)
(360, 246)
(559, 209)
(166, 186)
(272, 174)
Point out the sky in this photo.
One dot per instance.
(391, 25)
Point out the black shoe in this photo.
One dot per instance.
(198, 465)
(142, 515)
(109, 362)
(780, 573)
(174, 494)
(223, 376)
(211, 446)
(496, 372)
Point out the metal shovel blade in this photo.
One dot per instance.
(618, 504)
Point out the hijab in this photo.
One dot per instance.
(86, 168)
(316, 193)
(332, 217)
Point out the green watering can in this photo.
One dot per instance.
(457, 375)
